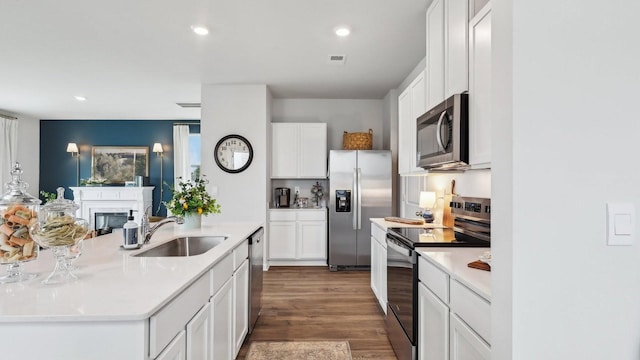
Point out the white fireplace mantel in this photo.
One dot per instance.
(112, 199)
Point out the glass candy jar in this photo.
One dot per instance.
(18, 211)
(57, 228)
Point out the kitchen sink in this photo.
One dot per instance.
(184, 246)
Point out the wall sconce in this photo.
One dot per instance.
(73, 149)
(427, 200)
(157, 148)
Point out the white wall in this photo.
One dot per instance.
(570, 123)
(339, 114)
(29, 152)
(242, 110)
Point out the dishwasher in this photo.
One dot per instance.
(256, 250)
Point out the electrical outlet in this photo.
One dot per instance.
(297, 189)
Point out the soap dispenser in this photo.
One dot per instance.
(130, 233)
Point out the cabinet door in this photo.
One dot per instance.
(418, 107)
(480, 88)
(222, 322)
(312, 162)
(456, 47)
(282, 240)
(405, 153)
(199, 335)
(312, 240)
(465, 344)
(435, 53)
(240, 306)
(382, 271)
(375, 275)
(433, 326)
(176, 350)
(284, 150)
(411, 104)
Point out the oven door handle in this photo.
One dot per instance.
(399, 248)
(439, 130)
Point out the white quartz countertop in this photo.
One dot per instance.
(112, 284)
(389, 224)
(454, 262)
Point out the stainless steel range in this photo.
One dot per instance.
(472, 228)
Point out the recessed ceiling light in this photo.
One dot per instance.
(200, 30)
(80, 98)
(343, 31)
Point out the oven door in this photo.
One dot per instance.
(402, 274)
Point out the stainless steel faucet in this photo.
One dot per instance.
(148, 230)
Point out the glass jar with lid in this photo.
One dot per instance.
(18, 211)
(57, 228)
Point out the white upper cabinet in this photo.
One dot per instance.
(447, 46)
(411, 104)
(299, 150)
(480, 89)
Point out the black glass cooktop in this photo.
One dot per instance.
(419, 237)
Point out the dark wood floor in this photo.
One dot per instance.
(312, 303)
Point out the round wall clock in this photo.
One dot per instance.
(233, 153)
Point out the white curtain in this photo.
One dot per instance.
(8, 149)
(181, 163)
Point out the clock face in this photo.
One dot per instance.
(233, 153)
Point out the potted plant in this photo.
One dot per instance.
(191, 200)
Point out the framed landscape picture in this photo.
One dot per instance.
(117, 164)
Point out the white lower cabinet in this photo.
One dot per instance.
(453, 321)
(433, 327)
(230, 303)
(298, 237)
(379, 265)
(222, 322)
(176, 350)
(465, 343)
(199, 334)
(240, 305)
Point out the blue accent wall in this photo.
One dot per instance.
(58, 168)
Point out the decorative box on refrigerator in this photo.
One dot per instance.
(359, 189)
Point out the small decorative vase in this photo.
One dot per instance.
(192, 221)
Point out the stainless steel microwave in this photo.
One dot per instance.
(443, 135)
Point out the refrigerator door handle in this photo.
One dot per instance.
(359, 199)
(354, 221)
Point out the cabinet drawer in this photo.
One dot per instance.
(304, 215)
(220, 273)
(282, 215)
(435, 279)
(171, 319)
(472, 309)
(379, 234)
(240, 254)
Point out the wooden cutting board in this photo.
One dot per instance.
(404, 221)
(479, 265)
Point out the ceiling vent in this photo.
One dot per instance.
(337, 59)
(189, 105)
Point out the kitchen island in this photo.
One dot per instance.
(121, 306)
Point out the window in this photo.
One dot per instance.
(194, 155)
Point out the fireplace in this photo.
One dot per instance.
(105, 222)
(108, 206)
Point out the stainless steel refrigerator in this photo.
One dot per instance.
(359, 189)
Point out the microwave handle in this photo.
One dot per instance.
(439, 132)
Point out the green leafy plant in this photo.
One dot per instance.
(191, 197)
(47, 196)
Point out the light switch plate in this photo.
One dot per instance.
(621, 224)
